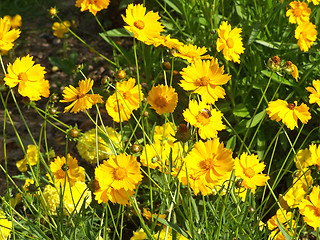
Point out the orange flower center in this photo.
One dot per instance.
(249, 172)
(161, 101)
(23, 76)
(291, 106)
(120, 173)
(139, 24)
(208, 163)
(230, 43)
(297, 12)
(126, 95)
(80, 95)
(203, 116)
(204, 81)
(317, 211)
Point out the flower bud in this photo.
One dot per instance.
(166, 65)
(183, 133)
(121, 74)
(274, 64)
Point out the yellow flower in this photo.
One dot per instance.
(248, 168)
(93, 6)
(315, 155)
(53, 11)
(292, 69)
(147, 214)
(208, 121)
(31, 156)
(306, 34)
(89, 143)
(66, 170)
(191, 53)
(230, 41)
(166, 234)
(289, 113)
(79, 97)
(205, 78)
(315, 2)
(73, 197)
(163, 99)
(145, 27)
(5, 226)
(59, 29)
(209, 161)
(30, 78)
(314, 97)
(139, 235)
(286, 219)
(299, 12)
(117, 109)
(15, 21)
(119, 196)
(167, 41)
(310, 208)
(303, 159)
(7, 36)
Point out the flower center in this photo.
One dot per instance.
(230, 43)
(317, 211)
(297, 12)
(208, 163)
(161, 101)
(204, 81)
(23, 76)
(120, 173)
(249, 172)
(139, 24)
(80, 95)
(291, 106)
(126, 95)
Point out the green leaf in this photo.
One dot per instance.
(241, 110)
(284, 231)
(172, 225)
(277, 78)
(174, 6)
(256, 119)
(118, 32)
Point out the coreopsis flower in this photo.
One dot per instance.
(15, 21)
(93, 6)
(191, 53)
(155, 155)
(306, 34)
(315, 2)
(310, 208)
(207, 120)
(73, 198)
(31, 158)
(286, 219)
(7, 36)
(129, 93)
(314, 97)
(5, 226)
(59, 29)
(210, 161)
(299, 12)
(168, 235)
(288, 113)
(30, 78)
(167, 41)
(315, 155)
(79, 96)
(117, 109)
(164, 133)
(119, 196)
(205, 78)
(66, 170)
(139, 235)
(249, 169)
(53, 11)
(163, 99)
(144, 26)
(303, 159)
(230, 41)
(90, 145)
(292, 69)
(147, 214)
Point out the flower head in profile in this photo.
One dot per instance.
(315, 2)
(286, 219)
(303, 159)
(30, 78)
(144, 26)
(93, 6)
(314, 97)
(30, 158)
(15, 21)
(119, 196)
(299, 12)
(208, 121)
(288, 113)
(79, 97)
(205, 78)
(163, 99)
(315, 155)
(291, 69)
(306, 34)
(310, 208)
(60, 29)
(66, 170)
(248, 168)
(167, 41)
(230, 41)
(191, 53)
(7, 36)
(5, 226)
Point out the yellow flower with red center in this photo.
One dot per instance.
(288, 113)
(230, 41)
(93, 6)
(191, 53)
(200, 115)
(59, 29)
(30, 78)
(299, 12)
(144, 26)
(306, 34)
(286, 219)
(248, 168)
(7, 36)
(205, 78)
(314, 97)
(163, 99)
(66, 170)
(30, 159)
(15, 21)
(79, 96)
(310, 208)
